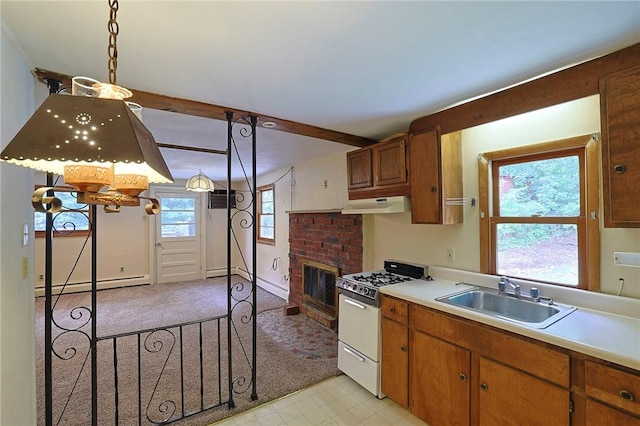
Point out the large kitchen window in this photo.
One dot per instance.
(266, 215)
(542, 205)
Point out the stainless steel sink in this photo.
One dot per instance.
(489, 302)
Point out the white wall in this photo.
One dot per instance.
(123, 241)
(17, 356)
(272, 261)
(309, 192)
(394, 236)
(301, 190)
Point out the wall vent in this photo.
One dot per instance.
(218, 199)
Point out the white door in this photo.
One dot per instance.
(178, 237)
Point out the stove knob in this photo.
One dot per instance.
(366, 291)
(355, 287)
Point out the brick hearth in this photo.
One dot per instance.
(330, 238)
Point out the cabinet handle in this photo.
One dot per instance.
(392, 309)
(625, 394)
(434, 189)
(619, 168)
(403, 348)
(463, 377)
(484, 387)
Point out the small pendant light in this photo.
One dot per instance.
(199, 183)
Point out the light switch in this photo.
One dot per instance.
(626, 259)
(25, 235)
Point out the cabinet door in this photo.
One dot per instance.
(359, 170)
(602, 415)
(620, 119)
(440, 375)
(510, 397)
(395, 361)
(389, 163)
(426, 195)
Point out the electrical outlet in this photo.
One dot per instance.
(41, 277)
(325, 183)
(451, 254)
(122, 269)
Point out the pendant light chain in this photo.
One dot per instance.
(113, 45)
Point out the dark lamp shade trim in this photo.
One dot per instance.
(84, 130)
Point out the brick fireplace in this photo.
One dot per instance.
(331, 239)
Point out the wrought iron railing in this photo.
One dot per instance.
(171, 373)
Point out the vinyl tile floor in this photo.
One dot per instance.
(336, 401)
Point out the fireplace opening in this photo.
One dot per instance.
(320, 290)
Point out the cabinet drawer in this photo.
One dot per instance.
(531, 357)
(458, 332)
(613, 386)
(396, 310)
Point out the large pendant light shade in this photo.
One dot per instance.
(86, 131)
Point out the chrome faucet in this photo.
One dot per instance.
(506, 281)
(534, 293)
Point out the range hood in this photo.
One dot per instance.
(378, 205)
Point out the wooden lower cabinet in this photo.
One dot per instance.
(395, 361)
(602, 415)
(509, 397)
(459, 372)
(439, 387)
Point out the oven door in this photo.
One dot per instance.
(359, 327)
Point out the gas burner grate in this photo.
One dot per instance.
(378, 279)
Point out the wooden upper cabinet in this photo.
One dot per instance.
(359, 171)
(436, 164)
(389, 162)
(379, 170)
(620, 123)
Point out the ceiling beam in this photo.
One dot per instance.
(191, 148)
(217, 112)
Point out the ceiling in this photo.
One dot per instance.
(363, 68)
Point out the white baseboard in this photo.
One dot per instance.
(222, 272)
(102, 285)
(272, 288)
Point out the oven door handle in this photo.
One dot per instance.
(353, 354)
(356, 304)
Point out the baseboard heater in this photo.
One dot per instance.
(102, 285)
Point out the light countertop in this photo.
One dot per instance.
(612, 337)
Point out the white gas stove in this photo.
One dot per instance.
(364, 286)
(360, 319)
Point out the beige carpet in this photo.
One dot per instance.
(279, 370)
